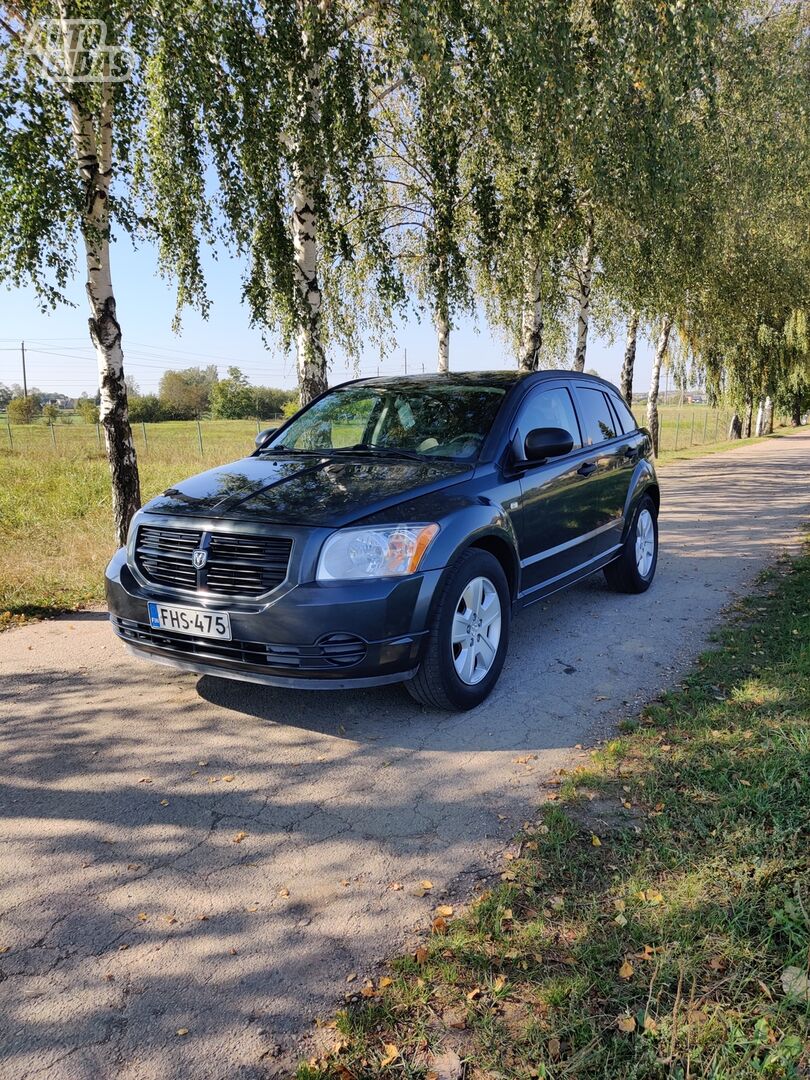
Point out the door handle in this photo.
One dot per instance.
(587, 468)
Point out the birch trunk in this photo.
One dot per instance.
(759, 428)
(94, 158)
(310, 355)
(767, 420)
(652, 398)
(584, 314)
(629, 359)
(735, 427)
(532, 329)
(443, 338)
(749, 415)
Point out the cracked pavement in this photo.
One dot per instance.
(185, 853)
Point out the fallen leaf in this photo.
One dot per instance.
(252, 908)
(439, 925)
(4, 949)
(650, 1024)
(621, 920)
(367, 992)
(240, 836)
(553, 1047)
(395, 886)
(474, 994)
(596, 841)
(142, 916)
(283, 892)
(625, 1023)
(351, 977)
(795, 983)
(164, 802)
(384, 982)
(426, 884)
(421, 955)
(444, 909)
(391, 1055)
(718, 963)
(169, 919)
(556, 903)
(182, 1031)
(228, 779)
(499, 983)
(145, 780)
(626, 970)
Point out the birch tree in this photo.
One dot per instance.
(61, 83)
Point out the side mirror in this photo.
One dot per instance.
(546, 442)
(263, 436)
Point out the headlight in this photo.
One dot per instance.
(374, 553)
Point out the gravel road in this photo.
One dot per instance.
(189, 854)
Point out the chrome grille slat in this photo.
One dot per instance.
(237, 565)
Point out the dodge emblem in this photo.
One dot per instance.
(199, 557)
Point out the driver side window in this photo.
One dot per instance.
(550, 408)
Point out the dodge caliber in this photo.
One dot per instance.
(389, 532)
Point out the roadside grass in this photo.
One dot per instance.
(659, 908)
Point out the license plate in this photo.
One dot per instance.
(183, 620)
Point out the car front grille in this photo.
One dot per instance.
(331, 651)
(235, 564)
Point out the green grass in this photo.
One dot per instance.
(658, 948)
(55, 534)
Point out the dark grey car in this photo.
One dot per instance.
(388, 533)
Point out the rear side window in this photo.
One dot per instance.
(626, 418)
(550, 408)
(598, 421)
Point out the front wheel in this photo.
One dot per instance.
(469, 634)
(634, 569)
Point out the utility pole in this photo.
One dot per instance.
(25, 383)
(406, 361)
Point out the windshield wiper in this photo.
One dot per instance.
(383, 451)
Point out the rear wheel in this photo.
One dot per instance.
(634, 569)
(469, 633)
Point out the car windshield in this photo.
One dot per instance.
(409, 419)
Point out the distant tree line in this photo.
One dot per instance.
(195, 392)
(187, 394)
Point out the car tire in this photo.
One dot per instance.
(447, 679)
(634, 570)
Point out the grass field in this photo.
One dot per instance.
(655, 922)
(55, 534)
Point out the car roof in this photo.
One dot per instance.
(505, 379)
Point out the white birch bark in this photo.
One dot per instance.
(652, 398)
(532, 328)
(629, 358)
(767, 420)
(759, 427)
(310, 355)
(443, 339)
(585, 273)
(94, 159)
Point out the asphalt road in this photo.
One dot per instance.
(183, 853)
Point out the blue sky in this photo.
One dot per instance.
(60, 358)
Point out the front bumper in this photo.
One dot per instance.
(314, 635)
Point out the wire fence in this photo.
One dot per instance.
(681, 427)
(164, 440)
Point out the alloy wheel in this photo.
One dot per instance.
(476, 630)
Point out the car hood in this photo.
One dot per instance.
(305, 490)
